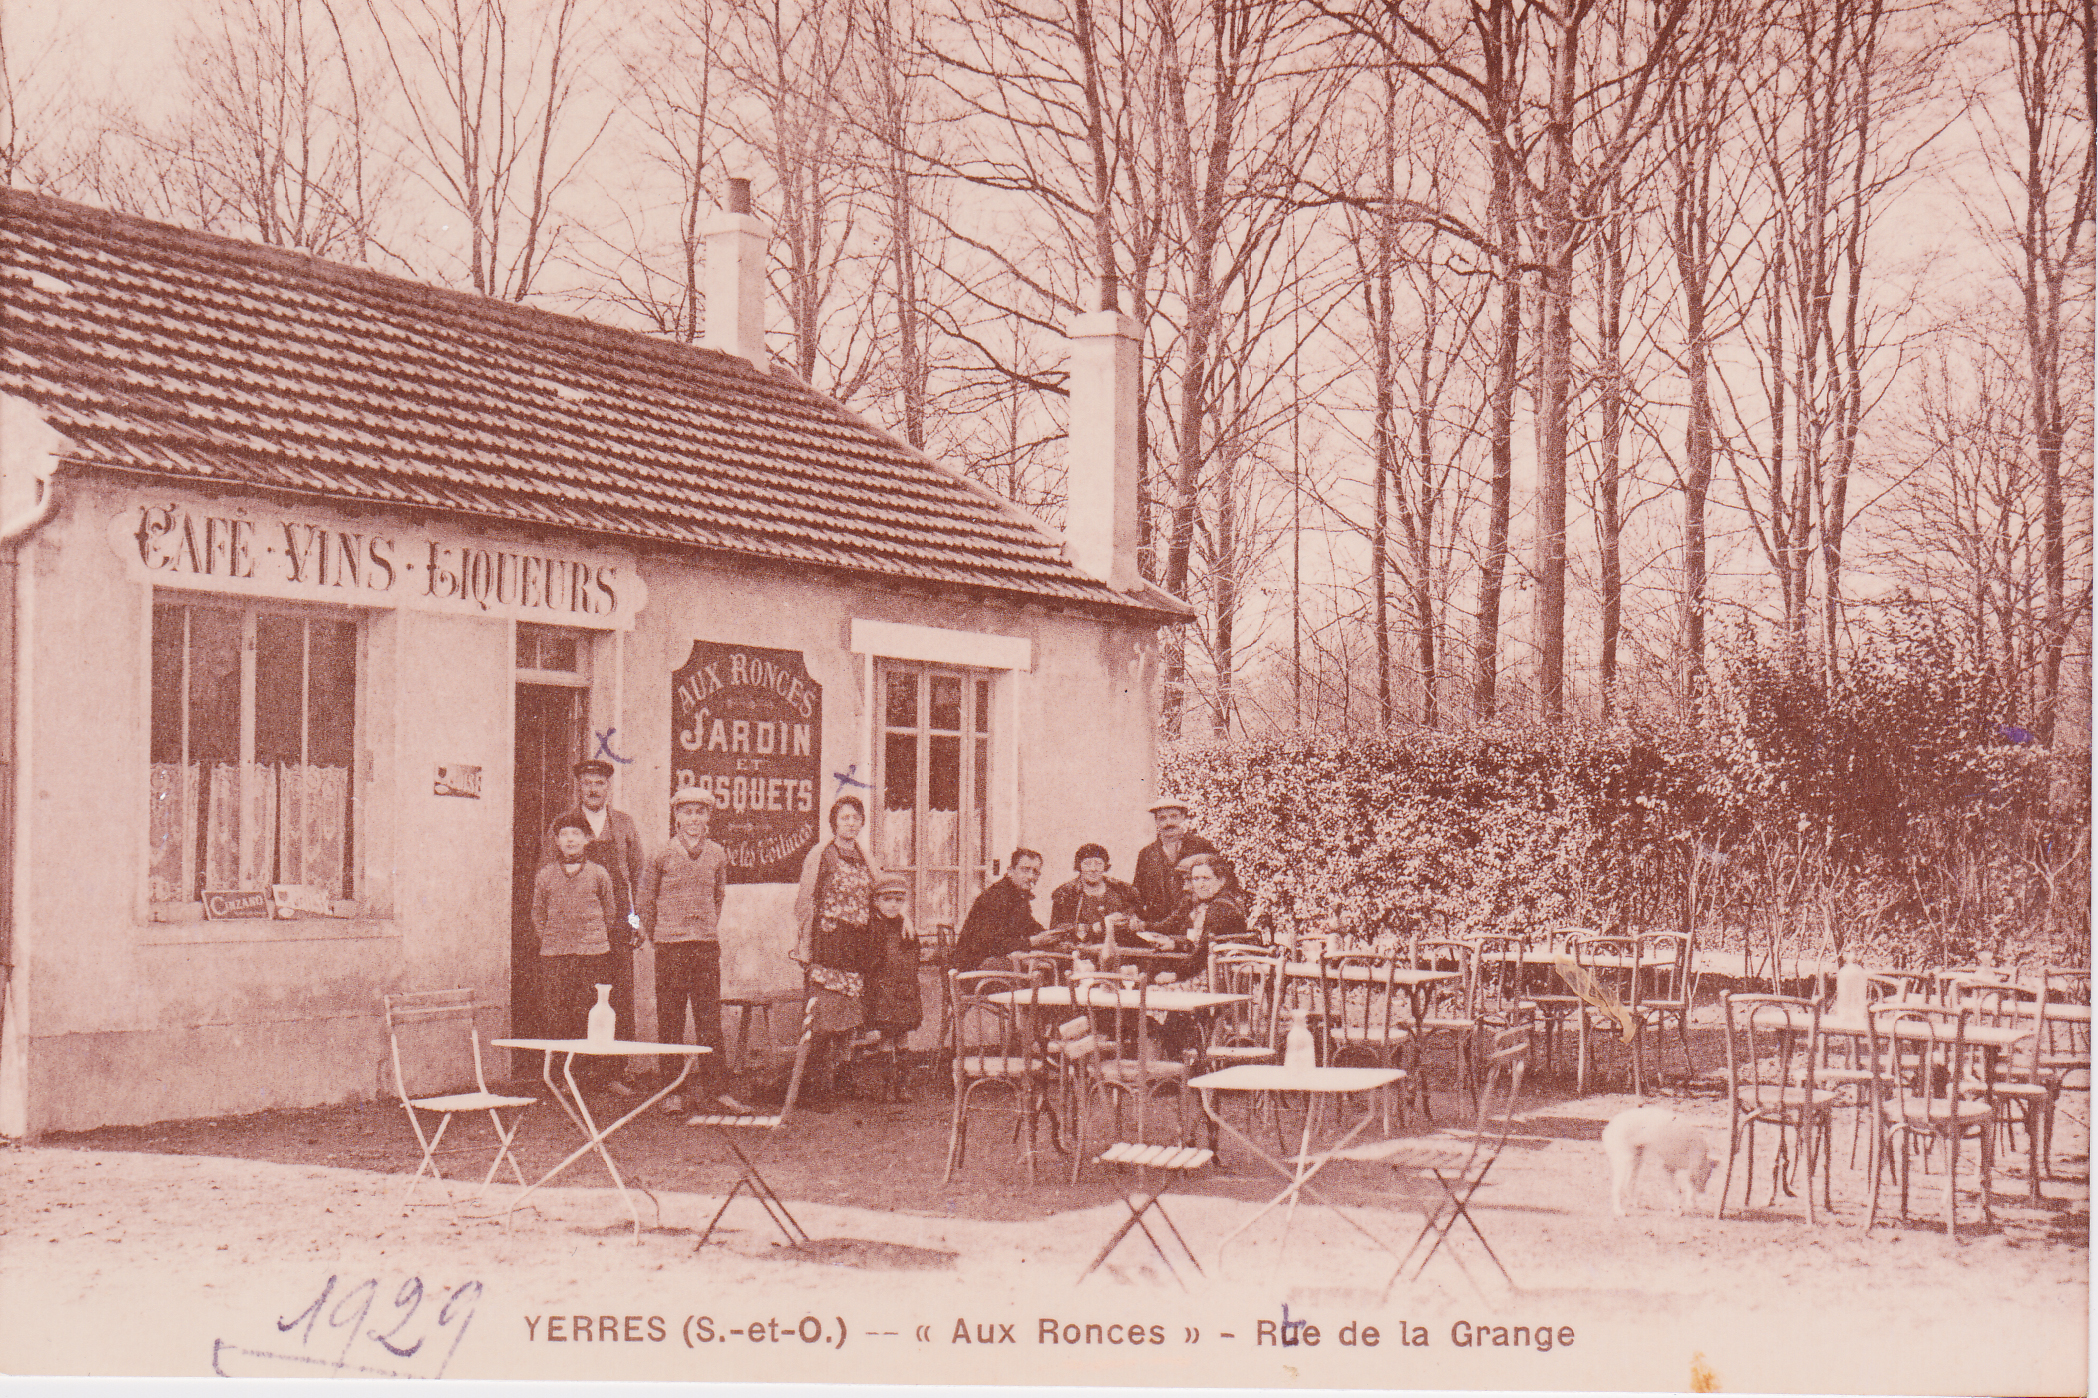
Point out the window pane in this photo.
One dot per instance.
(280, 688)
(903, 698)
(167, 683)
(214, 684)
(983, 706)
(898, 838)
(527, 648)
(980, 816)
(331, 693)
(946, 703)
(943, 798)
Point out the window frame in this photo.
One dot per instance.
(978, 734)
(350, 915)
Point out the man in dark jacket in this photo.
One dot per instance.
(1158, 887)
(1001, 921)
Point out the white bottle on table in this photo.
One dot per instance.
(1300, 1050)
(1850, 992)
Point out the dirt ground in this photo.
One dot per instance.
(279, 1244)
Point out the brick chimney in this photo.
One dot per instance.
(735, 283)
(1100, 516)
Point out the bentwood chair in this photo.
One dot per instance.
(432, 1022)
(1450, 1010)
(2026, 1086)
(1773, 1043)
(995, 1053)
(1670, 965)
(1128, 1070)
(1606, 976)
(1554, 1002)
(1933, 1100)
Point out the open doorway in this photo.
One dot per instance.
(550, 722)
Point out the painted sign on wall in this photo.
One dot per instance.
(746, 723)
(266, 553)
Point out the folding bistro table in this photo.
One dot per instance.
(1321, 1082)
(594, 1137)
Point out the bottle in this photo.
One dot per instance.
(1850, 992)
(1300, 1051)
(604, 1020)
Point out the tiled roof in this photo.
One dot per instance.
(184, 354)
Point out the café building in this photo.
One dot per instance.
(317, 582)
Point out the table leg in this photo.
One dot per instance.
(1299, 1177)
(579, 1112)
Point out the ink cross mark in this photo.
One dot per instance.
(848, 778)
(604, 747)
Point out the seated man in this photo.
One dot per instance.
(1088, 899)
(1001, 921)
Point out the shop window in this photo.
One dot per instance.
(932, 821)
(253, 750)
(558, 653)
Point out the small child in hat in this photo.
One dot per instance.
(893, 1006)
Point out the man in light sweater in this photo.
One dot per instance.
(679, 898)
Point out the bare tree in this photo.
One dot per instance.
(489, 88)
(2041, 156)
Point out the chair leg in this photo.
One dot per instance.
(956, 1131)
(1726, 1180)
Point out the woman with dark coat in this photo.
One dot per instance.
(832, 908)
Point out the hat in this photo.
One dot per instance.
(1187, 861)
(692, 796)
(1086, 852)
(892, 883)
(592, 766)
(1165, 803)
(570, 822)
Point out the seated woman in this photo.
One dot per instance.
(1212, 914)
(1086, 902)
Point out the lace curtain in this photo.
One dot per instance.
(262, 824)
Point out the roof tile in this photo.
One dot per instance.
(184, 354)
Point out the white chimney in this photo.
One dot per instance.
(1100, 518)
(736, 244)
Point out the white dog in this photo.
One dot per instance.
(1658, 1134)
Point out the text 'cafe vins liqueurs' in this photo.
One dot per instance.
(283, 556)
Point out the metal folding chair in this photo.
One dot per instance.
(1135, 1079)
(1458, 1162)
(449, 1010)
(726, 1125)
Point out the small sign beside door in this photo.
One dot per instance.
(458, 779)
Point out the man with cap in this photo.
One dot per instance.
(679, 901)
(1158, 884)
(615, 846)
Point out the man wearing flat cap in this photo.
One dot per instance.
(1158, 885)
(679, 900)
(615, 846)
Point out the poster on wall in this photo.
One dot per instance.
(747, 724)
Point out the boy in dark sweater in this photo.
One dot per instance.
(574, 908)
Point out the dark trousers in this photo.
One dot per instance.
(689, 973)
(567, 990)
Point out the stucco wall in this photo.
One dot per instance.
(123, 1018)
